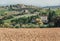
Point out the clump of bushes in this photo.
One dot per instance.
(8, 17)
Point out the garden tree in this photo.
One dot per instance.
(1, 21)
(54, 13)
(44, 13)
(39, 21)
(51, 16)
(14, 22)
(14, 5)
(29, 19)
(10, 7)
(6, 25)
(8, 17)
(57, 21)
(36, 10)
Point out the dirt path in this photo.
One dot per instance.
(32, 34)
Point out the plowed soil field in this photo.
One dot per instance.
(30, 34)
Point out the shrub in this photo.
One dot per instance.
(1, 21)
(8, 17)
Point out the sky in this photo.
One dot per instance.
(31, 2)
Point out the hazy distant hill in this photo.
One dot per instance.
(52, 7)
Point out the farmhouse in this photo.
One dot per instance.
(44, 19)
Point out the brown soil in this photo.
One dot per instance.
(30, 34)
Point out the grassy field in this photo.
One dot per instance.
(3, 11)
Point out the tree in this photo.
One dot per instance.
(10, 7)
(57, 21)
(51, 16)
(1, 21)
